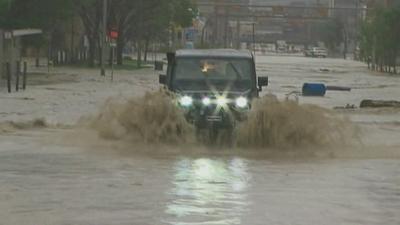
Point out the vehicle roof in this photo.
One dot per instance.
(214, 53)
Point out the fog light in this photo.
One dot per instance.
(222, 101)
(186, 101)
(241, 102)
(206, 101)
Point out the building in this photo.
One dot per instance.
(290, 20)
(222, 21)
(9, 53)
(10, 49)
(384, 3)
(351, 14)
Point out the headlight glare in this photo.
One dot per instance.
(186, 101)
(222, 101)
(242, 102)
(206, 101)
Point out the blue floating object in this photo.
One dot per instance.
(314, 89)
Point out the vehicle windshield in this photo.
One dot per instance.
(206, 73)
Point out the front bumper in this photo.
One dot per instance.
(215, 116)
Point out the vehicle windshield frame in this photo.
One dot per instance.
(250, 61)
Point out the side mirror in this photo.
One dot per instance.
(159, 65)
(171, 58)
(262, 82)
(162, 79)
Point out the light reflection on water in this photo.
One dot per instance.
(208, 191)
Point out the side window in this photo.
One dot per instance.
(187, 68)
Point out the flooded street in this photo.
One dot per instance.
(58, 175)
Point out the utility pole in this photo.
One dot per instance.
(72, 53)
(238, 34)
(357, 22)
(104, 42)
(1, 54)
(254, 38)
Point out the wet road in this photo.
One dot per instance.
(52, 181)
(64, 185)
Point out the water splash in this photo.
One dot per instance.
(153, 118)
(288, 125)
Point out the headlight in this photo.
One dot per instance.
(222, 101)
(186, 101)
(206, 101)
(242, 102)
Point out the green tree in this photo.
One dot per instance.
(47, 15)
(5, 5)
(91, 13)
(144, 21)
(139, 21)
(43, 14)
(379, 39)
(330, 32)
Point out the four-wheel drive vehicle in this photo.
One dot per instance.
(316, 52)
(214, 87)
(320, 52)
(308, 52)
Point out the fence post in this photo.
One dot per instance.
(8, 72)
(62, 57)
(24, 75)
(17, 73)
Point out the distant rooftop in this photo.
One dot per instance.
(214, 53)
(286, 2)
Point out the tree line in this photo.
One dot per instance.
(141, 22)
(380, 39)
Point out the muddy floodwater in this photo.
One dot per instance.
(61, 175)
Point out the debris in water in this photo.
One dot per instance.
(324, 70)
(337, 88)
(347, 106)
(317, 89)
(314, 89)
(293, 96)
(379, 104)
(11, 126)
